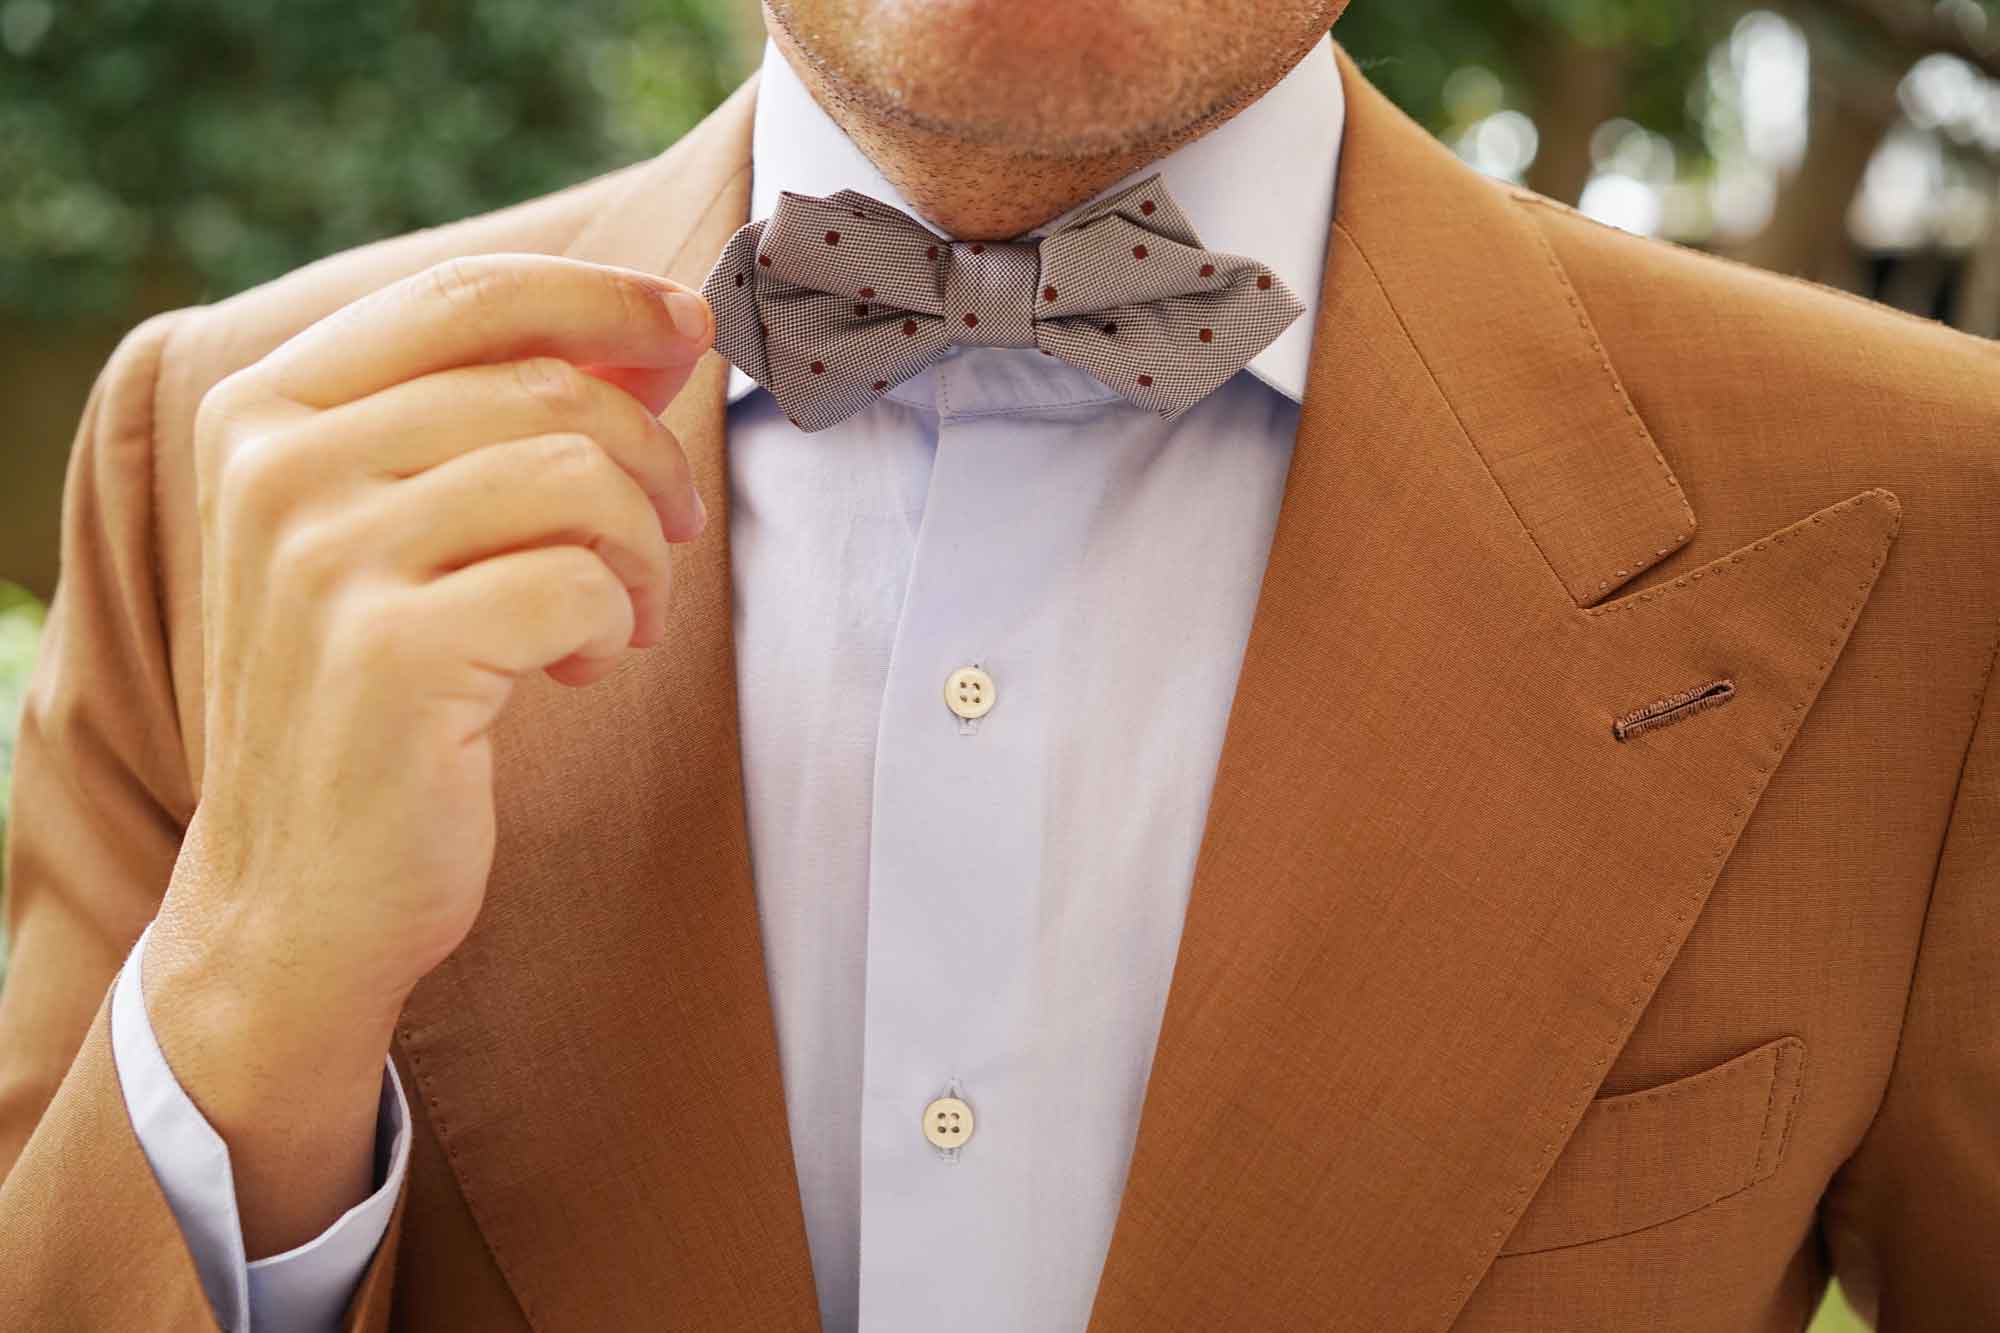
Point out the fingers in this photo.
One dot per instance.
(485, 409)
(556, 608)
(547, 490)
(655, 388)
(484, 308)
(408, 428)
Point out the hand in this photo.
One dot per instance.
(453, 481)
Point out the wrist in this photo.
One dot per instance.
(235, 962)
(250, 1035)
(291, 1086)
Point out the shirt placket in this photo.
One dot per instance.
(955, 857)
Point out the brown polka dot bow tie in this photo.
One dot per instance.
(833, 301)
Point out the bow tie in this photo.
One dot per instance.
(833, 301)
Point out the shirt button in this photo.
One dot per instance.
(948, 1122)
(969, 692)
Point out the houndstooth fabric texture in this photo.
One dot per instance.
(833, 301)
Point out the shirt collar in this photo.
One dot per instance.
(1259, 184)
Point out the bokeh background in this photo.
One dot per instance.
(158, 153)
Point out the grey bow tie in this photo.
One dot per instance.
(833, 301)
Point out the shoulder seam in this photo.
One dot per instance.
(1742, 266)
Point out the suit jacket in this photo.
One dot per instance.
(1489, 1013)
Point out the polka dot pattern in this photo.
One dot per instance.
(830, 302)
(989, 292)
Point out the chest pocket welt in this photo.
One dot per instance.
(1643, 1158)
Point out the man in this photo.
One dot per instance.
(1442, 777)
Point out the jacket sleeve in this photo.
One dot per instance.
(303, 1290)
(101, 799)
(1912, 1218)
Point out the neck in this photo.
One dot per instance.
(982, 192)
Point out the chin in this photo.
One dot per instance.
(1040, 25)
(973, 40)
(1051, 78)
(1033, 74)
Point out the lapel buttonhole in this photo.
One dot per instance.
(1673, 708)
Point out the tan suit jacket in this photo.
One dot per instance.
(1483, 1018)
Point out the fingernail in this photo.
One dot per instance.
(700, 509)
(690, 315)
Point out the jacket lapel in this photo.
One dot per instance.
(1435, 891)
(598, 1058)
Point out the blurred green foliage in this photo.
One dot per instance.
(20, 630)
(222, 142)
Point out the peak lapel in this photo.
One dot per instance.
(598, 1058)
(1435, 892)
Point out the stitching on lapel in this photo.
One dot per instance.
(1641, 563)
(1722, 564)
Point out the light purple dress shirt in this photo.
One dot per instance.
(989, 908)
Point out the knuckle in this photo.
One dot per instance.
(311, 555)
(222, 403)
(470, 284)
(638, 306)
(575, 457)
(590, 583)
(221, 415)
(255, 482)
(553, 383)
(586, 575)
(573, 586)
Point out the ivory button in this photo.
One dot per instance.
(948, 1122)
(969, 693)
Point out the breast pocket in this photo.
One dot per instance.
(1647, 1157)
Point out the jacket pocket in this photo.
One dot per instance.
(1643, 1158)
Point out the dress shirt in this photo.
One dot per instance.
(982, 907)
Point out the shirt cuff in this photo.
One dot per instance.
(306, 1288)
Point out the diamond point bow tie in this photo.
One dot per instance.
(833, 301)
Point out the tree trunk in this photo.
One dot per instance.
(1978, 308)
(1807, 235)
(1578, 88)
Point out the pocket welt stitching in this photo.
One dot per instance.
(1642, 1159)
